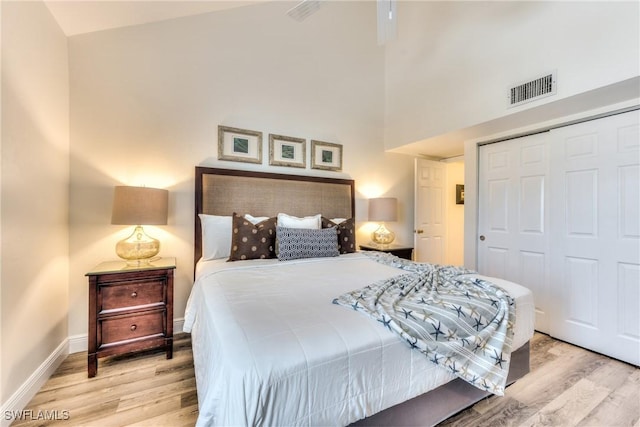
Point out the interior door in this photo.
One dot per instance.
(430, 226)
(596, 266)
(513, 217)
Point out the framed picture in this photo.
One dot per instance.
(239, 145)
(459, 194)
(326, 156)
(287, 151)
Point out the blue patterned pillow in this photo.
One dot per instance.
(295, 243)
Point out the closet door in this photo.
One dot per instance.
(559, 212)
(596, 238)
(513, 216)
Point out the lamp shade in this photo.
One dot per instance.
(383, 209)
(139, 206)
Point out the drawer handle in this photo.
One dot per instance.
(134, 294)
(133, 327)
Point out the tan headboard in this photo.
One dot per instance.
(224, 191)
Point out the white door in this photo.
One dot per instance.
(596, 264)
(513, 216)
(430, 227)
(559, 212)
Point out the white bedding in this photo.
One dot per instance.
(270, 348)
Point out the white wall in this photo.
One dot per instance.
(453, 62)
(455, 213)
(33, 192)
(146, 102)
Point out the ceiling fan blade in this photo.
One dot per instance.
(387, 21)
(304, 9)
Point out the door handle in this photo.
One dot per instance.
(418, 231)
(482, 238)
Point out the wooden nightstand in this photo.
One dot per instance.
(405, 252)
(130, 309)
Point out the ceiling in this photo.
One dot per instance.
(85, 16)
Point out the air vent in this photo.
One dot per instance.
(532, 90)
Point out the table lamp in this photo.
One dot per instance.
(139, 206)
(380, 210)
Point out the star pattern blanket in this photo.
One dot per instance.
(461, 323)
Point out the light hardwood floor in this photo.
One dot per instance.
(567, 386)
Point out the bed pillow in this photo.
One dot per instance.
(295, 243)
(216, 236)
(252, 241)
(346, 230)
(255, 219)
(290, 221)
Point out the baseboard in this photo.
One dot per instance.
(19, 400)
(10, 409)
(178, 325)
(79, 343)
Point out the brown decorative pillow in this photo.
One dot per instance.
(346, 234)
(250, 241)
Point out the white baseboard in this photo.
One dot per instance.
(79, 343)
(19, 400)
(178, 325)
(73, 344)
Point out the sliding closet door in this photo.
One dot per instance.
(559, 212)
(596, 237)
(513, 216)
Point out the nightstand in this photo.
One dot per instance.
(130, 309)
(405, 252)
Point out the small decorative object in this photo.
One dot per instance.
(139, 206)
(326, 156)
(239, 145)
(287, 151)
(459, 194)
(380, 210)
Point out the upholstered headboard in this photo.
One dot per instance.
(224, 191)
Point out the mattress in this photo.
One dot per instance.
(270, 348)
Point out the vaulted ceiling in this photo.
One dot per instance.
(82, 16)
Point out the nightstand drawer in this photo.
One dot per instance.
(123, 328)
(136, 293)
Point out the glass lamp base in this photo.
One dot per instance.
(382, 236)
(138, 248)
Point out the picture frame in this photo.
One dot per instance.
(239, 145)
(459, 194)
(287, 151)
(326, 156)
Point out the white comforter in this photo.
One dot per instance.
(270, 348)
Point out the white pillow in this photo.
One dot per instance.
(338, 220)
(216, 236)
(255, 219)
(311, 222)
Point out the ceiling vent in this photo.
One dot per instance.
(533, 89)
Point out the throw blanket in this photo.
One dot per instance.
(461, 323)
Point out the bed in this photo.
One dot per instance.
(269, 346)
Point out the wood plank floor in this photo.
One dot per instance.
(567, 386)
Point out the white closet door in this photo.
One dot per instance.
(559, 212)
(596, 237)
(513, 216)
